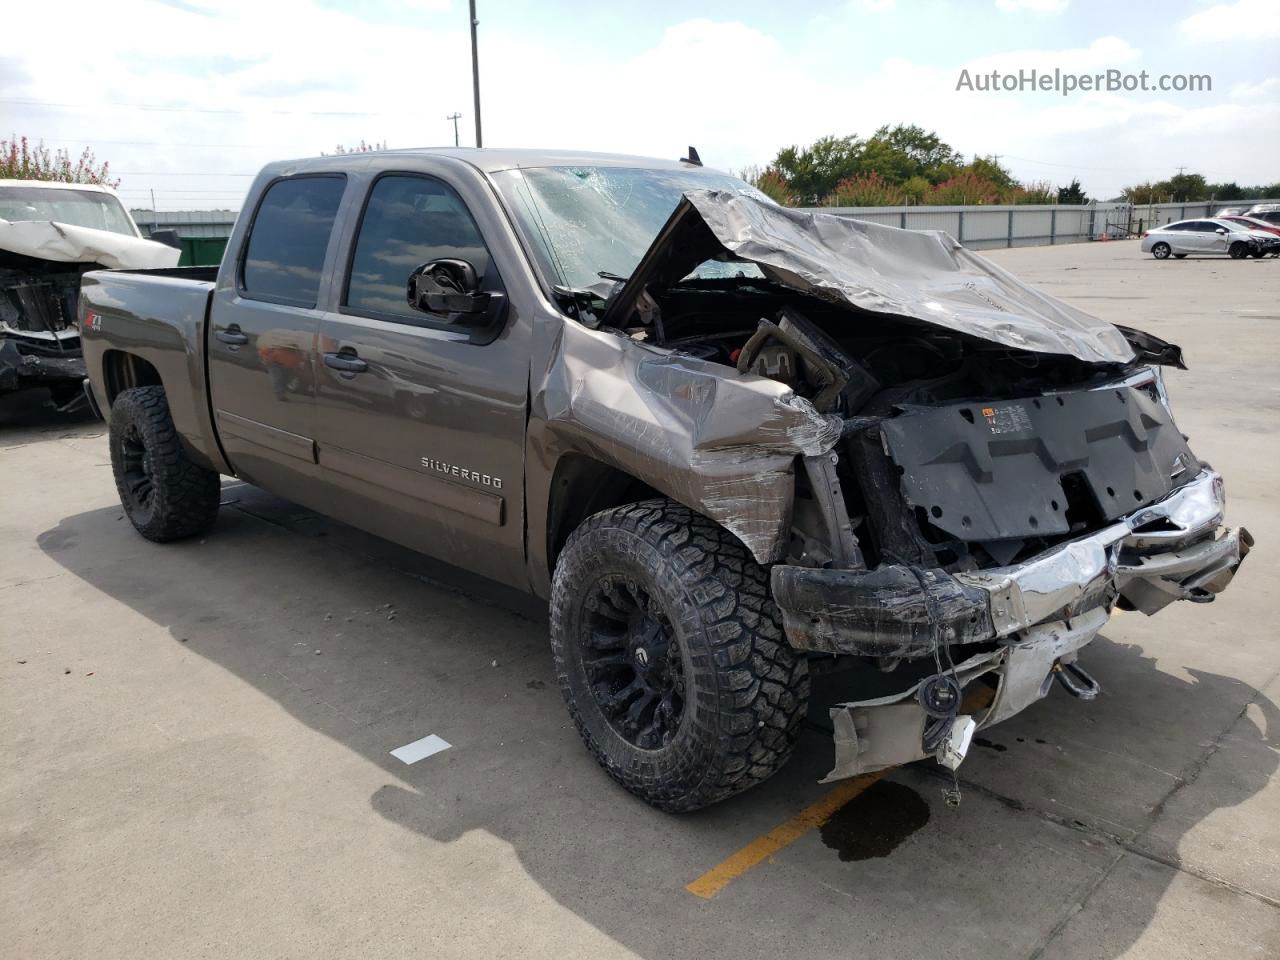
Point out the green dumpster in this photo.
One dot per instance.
(202, 251)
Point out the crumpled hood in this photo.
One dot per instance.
(68, 243)
(927, 276)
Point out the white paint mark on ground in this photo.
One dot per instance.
(420, 749)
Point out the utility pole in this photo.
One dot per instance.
(1180, 169)
(454, 117)
(475, 71)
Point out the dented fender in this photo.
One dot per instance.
(720, 442)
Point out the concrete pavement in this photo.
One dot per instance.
(197, 738)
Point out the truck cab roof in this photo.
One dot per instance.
(490, 159)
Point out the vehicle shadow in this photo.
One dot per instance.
(34, 409)
(518, 772)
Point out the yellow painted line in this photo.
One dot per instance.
(781, 836)
(812, 816)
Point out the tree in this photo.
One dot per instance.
(19, 160)
(813, 171)
(988, 168)
(902, 152)
(1035, 191)
(1072, 193)
(1186, 187)
(362, 148)
(866, 190)
(966, 187)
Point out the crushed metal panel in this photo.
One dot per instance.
(720, 442)
(68, 243)
(993, 471)
(927, 277)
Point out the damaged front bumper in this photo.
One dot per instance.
(27, 362)
(1037, 613)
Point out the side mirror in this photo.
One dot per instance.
(168, 237)
(1222, 230)
(451, 287)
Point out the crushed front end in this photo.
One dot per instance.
(1007, 471)
(39, 339)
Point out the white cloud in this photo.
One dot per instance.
(1268, 89)
(878, 6)
(1038, 6)
(1250, 20)
(295, 77)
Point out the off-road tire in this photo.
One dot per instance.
(747, 690)
(1161, 251)
(1238, 250)
(182, 497)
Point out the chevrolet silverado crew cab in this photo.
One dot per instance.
(737, 447)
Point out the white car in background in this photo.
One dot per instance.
(1207, 237)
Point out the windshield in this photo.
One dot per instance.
(587, 220)
(81, 208)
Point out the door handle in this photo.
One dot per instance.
(232, 335)
(346, 362)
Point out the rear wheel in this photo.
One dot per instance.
(1161, 251)
(1238, 250)
(671, 658)
(165, 495)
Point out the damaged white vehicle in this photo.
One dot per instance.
(50, 234)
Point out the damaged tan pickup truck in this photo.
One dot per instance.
(734, 445)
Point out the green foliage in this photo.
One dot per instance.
(1035, 191)
(813, 171)
(966, 187)
(1192, 188)
(905, 164)
(19, 160)
(1072, 193)
(866, 190)
(902, 152)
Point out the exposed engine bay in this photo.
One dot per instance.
(1005, 473)
(39, 338)
(957, 453)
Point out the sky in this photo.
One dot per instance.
(188, 98)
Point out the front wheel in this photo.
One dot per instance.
(165, 495)
(1238, 250)
(1161, 251)
(671, 658)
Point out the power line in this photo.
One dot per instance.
(163, 108)
(179, 173)
(164, 143)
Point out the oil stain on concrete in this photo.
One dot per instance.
(875, 822)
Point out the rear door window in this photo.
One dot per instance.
(408, 221)
(288, 239)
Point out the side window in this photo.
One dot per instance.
(408, 221)
(1204, 226)
(288, 239)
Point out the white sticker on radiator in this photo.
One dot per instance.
(420, 749)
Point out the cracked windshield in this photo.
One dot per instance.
(589, 221)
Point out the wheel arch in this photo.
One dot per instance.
(122, 370)
(582, 486)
